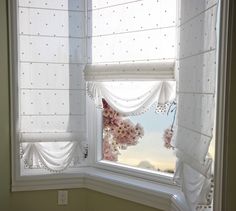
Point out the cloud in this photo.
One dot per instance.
(150, 148)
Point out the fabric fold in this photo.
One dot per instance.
(132, 97)
(54, 157)
(196, 72)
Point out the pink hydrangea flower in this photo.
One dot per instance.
(111, 118)
(168, 134)
(110, 150)
(119, 133)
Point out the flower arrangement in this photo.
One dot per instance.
(118, 133)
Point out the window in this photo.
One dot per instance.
(130, 53)
(138, 140)
(131, 62)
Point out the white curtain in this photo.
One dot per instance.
(196, 66)
(51, 89)
(130, 31)
(132, 97)
(131, 53)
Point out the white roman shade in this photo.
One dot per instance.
(52, 128)
(146, 71)
(132, 97)
(196, 79)
(129, 42)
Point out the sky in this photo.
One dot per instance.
(151, 146)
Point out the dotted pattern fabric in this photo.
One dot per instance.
(52, 56)
(131, 32)
(196, 72)
(196, 80)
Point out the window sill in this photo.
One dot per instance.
(150, 193)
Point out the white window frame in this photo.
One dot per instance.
(118, 180)
(95, 152)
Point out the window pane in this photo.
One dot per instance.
(138, 140)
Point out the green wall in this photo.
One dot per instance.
(79, 199)
(46, 201)
(82, 199)
(102, 202)
(4, 113)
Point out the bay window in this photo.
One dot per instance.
(93, 79)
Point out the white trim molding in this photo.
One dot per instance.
(158, 195)
(222, 110)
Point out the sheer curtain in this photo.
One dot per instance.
(196, 89)
(131, 53)
(51, 88)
